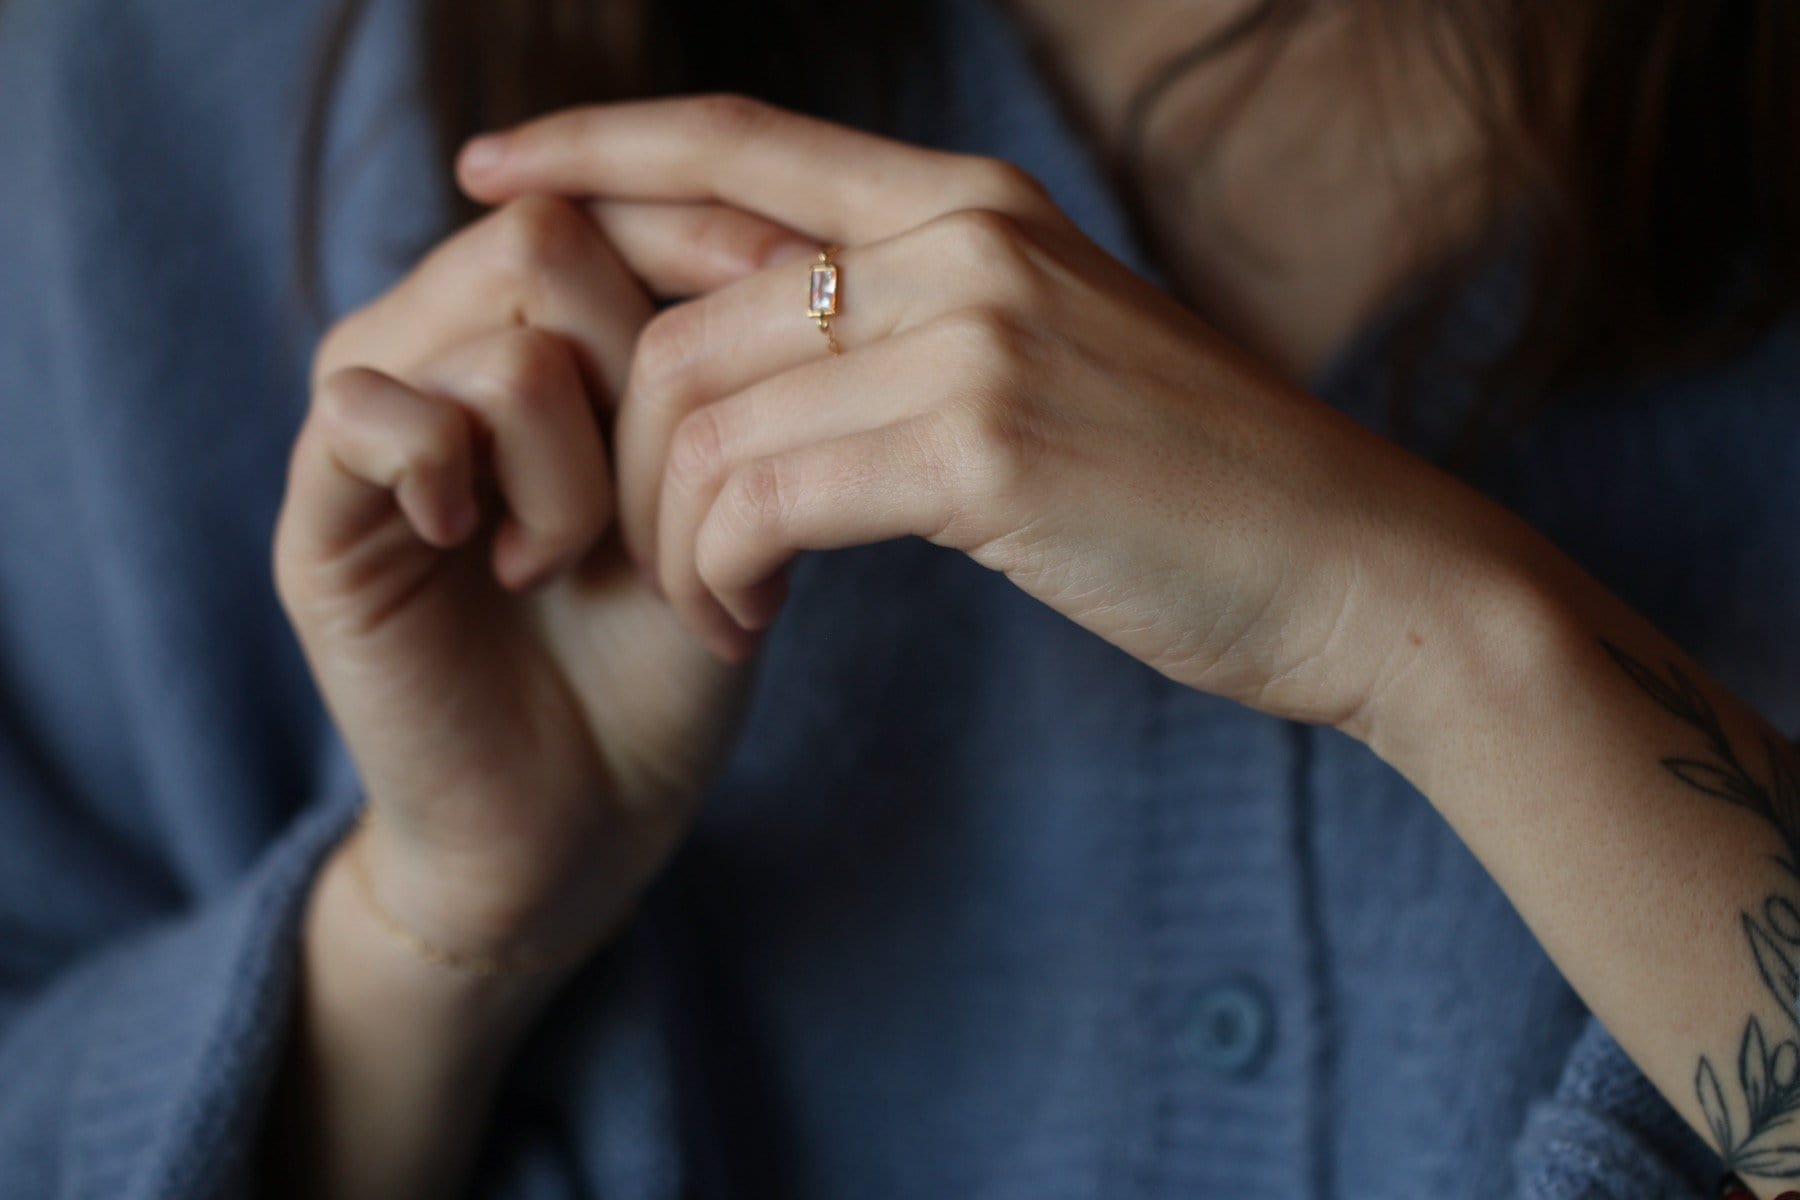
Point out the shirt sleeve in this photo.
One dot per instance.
(140, 1068)
(1606, 1133)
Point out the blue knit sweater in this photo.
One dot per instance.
(981, 906)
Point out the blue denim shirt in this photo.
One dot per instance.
(980, 907)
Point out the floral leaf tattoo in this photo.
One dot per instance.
(1767, 1092)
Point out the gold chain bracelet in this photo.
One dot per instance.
(485, 965)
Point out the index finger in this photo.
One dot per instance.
(837, 183)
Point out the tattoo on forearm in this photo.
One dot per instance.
(1756, 1124)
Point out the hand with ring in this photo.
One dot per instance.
(1007, 389)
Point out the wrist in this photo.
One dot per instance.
(1508, 611)
(394, 1059)
(474, 915)
(351, 943)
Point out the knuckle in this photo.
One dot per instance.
(697, 451)
(759, 249)
(667, 347)
(732, 116)
(760, 495)
(1005, 186)
(336, 347)
(528, 369)
(707, 566)
(1003, 251)
(716, 230)
(341, 397)
(994, 344)
(933, 454)
(568, 130)
(737, 243)
(535, 233)
(711, 559)
(997, 440)
(986, 232)
(437, 447)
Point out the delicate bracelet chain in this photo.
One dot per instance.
(486, 965)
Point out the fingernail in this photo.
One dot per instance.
(482, 155)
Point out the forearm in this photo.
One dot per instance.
(1639, 823)
(394, 1060)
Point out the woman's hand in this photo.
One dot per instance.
(1007, 389)
(1010, 391)
(531, 722)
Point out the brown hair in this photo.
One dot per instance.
(1653, 144)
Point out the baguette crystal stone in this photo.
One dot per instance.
(822, 298)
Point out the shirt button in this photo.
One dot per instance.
(1231, 1027)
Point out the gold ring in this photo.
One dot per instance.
(822, 296)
